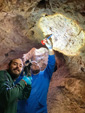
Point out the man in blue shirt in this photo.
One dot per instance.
(37, 101)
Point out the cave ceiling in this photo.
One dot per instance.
(18, 21)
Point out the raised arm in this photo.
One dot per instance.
(51, 59)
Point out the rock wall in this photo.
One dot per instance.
(18, 35)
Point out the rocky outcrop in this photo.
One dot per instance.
(66, 93)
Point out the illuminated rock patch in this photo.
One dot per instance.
(67, 37)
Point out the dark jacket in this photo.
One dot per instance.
(10, 93)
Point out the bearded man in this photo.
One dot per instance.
(37, 101)
(9, 92)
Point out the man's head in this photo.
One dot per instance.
(15, 67)
(35, 68)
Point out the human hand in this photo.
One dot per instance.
(27, 80)
(48, 44)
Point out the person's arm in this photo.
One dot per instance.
(25, 94)
(49, 46)
(51, 52)
(51, 59)
(9, 92)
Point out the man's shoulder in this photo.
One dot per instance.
(2, 75)
(2, 72)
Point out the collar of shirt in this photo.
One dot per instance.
(35, 76)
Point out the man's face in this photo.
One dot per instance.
(16, 67)
(35, 68)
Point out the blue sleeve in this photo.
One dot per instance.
(50, 66)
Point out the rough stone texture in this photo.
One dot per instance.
(18, 20)
(66, 93)
(67, 36)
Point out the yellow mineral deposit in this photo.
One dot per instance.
(68, 37)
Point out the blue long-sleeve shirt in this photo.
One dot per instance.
(36, 103)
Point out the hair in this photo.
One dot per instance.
(10, 62)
